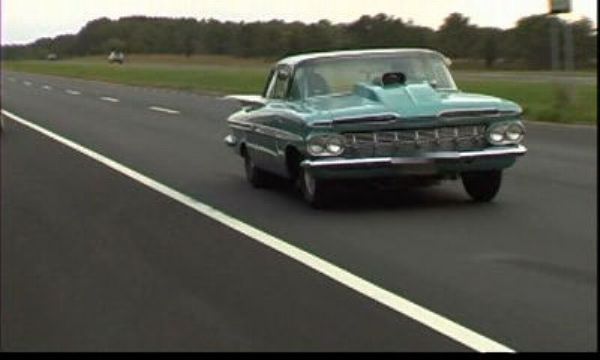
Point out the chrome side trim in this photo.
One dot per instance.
(265, 130)
(262, 149)
(373, 119)
(277, 133)
(475, 112)
(469, 112)
(389, 118)
(421, 159)
(324, 123)
(241, 125)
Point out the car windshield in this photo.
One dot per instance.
(339, 76)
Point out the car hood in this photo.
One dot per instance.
(406, 102)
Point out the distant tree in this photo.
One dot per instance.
(91, 38)
(380, 30)
(114, 44)
(64, 45)
(488, 45)
(585, 42)
(528, 42)
(456, 37)
(189, 36)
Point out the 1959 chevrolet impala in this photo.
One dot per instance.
(373, 114)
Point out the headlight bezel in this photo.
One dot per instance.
(327, 143)
(520, 131)
(502, 128)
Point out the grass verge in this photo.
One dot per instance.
(549, 102)
(199, 78)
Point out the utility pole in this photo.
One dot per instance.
(558, 7)
(569, 48)
(561, 7)
(554, 46)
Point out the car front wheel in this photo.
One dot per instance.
(258, 178)
(314, 190)
(482, 186)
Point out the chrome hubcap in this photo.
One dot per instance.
(249, 167)
(309, 183)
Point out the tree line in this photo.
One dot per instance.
(526, 45)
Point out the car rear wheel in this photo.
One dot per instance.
(482, 186)
(258, 178)
(314, 190)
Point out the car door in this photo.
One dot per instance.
(262, 141)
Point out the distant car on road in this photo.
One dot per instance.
(116, 57)
(52, 57)
(374, 114)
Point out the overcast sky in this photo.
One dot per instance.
(26, 20)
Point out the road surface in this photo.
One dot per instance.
(96, 260)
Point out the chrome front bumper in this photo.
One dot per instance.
(427, 161)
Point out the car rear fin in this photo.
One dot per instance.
(247, 100)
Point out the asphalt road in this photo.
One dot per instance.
(92, 260)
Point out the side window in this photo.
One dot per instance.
(280, 89)
(265, 92)
(297, 86)
(279, 84)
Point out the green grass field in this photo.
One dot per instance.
(544, 102)
(221, 75)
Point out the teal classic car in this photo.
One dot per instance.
(374, 114)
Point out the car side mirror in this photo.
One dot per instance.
(283, 74)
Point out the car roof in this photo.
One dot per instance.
(298, 59)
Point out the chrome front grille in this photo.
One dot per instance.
(390, 143)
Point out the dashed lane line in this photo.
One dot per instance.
(109, 99)
(164, 110)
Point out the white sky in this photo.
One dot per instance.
(26, 20)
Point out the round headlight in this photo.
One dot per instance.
(514, 133)
(326, 145)
(335, 146)
(315, 149)
(496, 135)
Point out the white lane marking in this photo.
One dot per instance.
(47, 87)
(393, 301)
(72, 92)
(164, 110)
(27, 83)
(109, 99)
